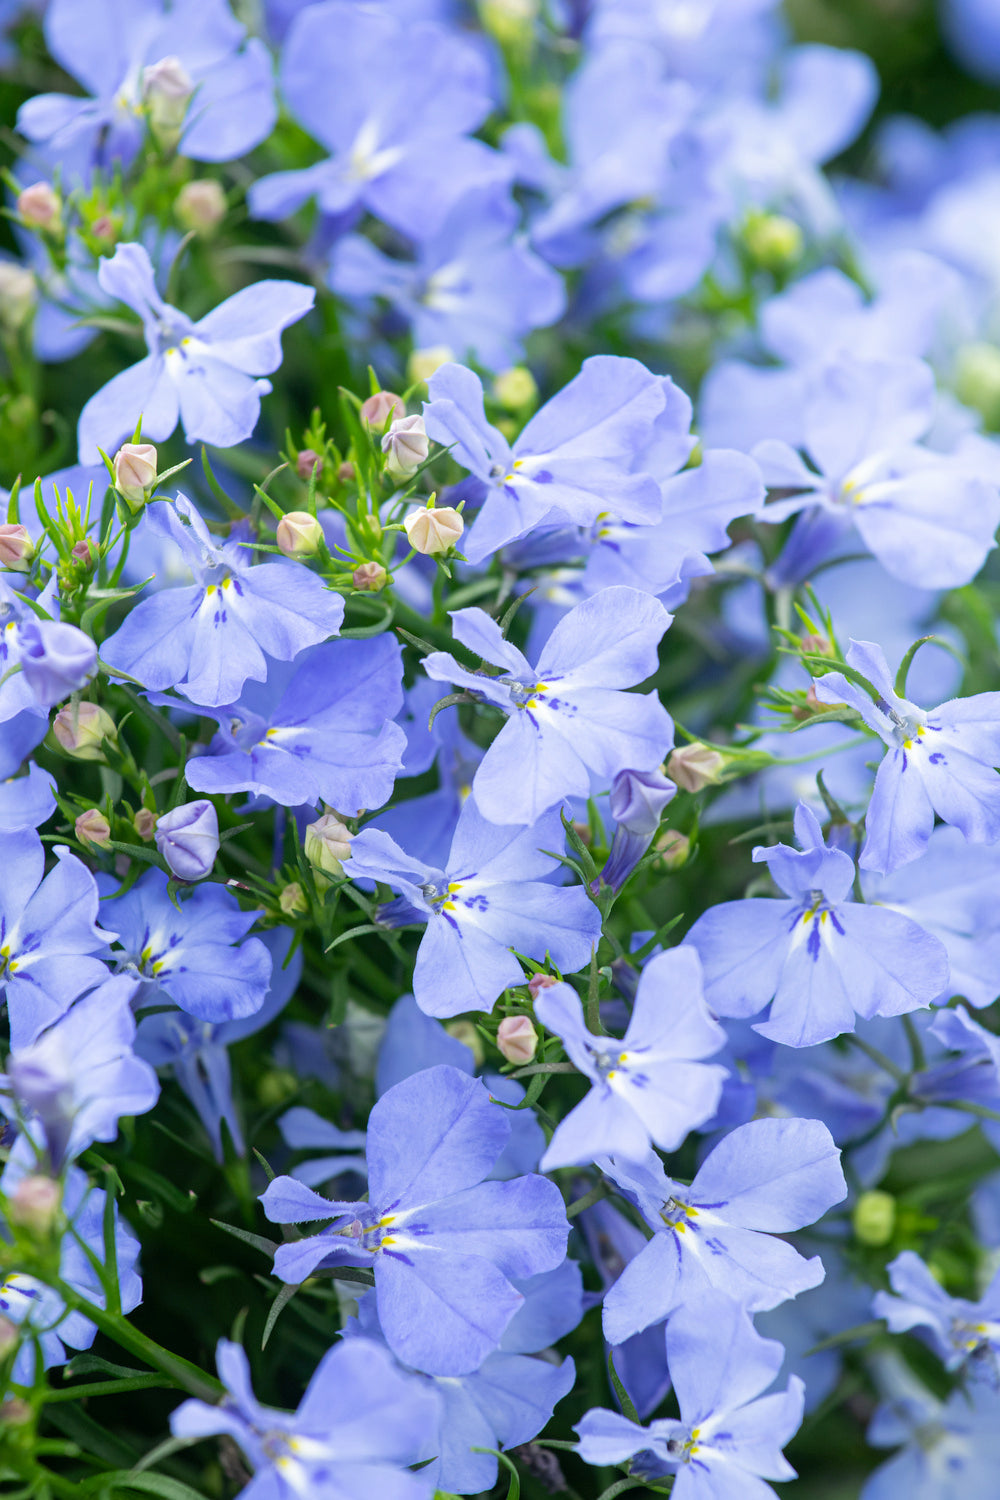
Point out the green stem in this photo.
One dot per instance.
(111, 1388)
(877, 1057)
(179, 1370)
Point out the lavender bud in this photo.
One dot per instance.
(56, 659)
(188, 839)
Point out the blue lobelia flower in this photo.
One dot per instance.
(566, 715)
(322, 731)
(27, 801)
(820, 956)
(489, 898)
(928, 517)
(961, 1333)
(762, 1180)
(729, 1438)
(198, 1051)
(49, 937)
(54, 1330)
(80, 1076)
(393, 101)
(206, 373)
(940, 761)
(511, 1397)
(949, 1450)
(207, 639)
(472, 287)
(575, 459)
(443, 1243)
(653, 1085)
(220, 93)
(196, 954)
(360, 1422)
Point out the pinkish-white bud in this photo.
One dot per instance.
(41, 207)
(83, 552)
(93, 829)
(201, 206)
(16, 547)
(673, 848)
(540, 982)
(307, 461)
(517, 1039)
(695, 766)
(381, 408)
(167, 87)
(135, 473)
(433, 531)
(299, 534)
(370, 576)
(406, 446)
(35, 1203)
(327, 844)
(144, 824)
(81, 729)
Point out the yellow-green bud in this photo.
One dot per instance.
(510, 21)
(292, 900)
(276, 1086)
(874, 1218)
(18, 295)
(299, 534)
(673, 848)
(466, 1033)
(515, 388)
(92, 828)
(327, 843)
(81, 729)
(167, 87)
(423, 362)
(773, 241)
(977, 381)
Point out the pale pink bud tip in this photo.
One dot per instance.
(380, 409)
(92, 828)
(406, 446)
(35, 1203)
(307, 461)
(517, 1039)
(371, 576)
(40, 206)
(201, 206)
(144, 823)
(299, 534)
(135, 472)
(433, 531)
(540, 982)
(16, 547)
(696, 766)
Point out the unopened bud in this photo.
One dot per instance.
(406, 446)
(695, 766)
(83, 552)
(371, 576)
(423, 362)
(517, 1039)
(135, 473)
(874, 1218)
(106, 228)
(307, 461)
(510, 21)
(16, 1412)
(380, 409)
(673, 848)
(201, 206)
(346, 472)
(433, 532)
(299, 534)
(188, 839)
(35, 1203)
(539, 982)
(81, 729)
(18, 295)
(93, 829)
(16, 547)
(40, 207)
(167, 87)
(515, 388)
(773, 241)
(977, 381)
(292, 900)
(144, 824)
(327, 843)
(468, 1034)
(9, 1337)
(818, 645)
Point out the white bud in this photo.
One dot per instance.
(299, 534)
(406, 446)
(167, 87)
(433, 531)
(40, 206)
(201, 206)
(18, 294)
(327, 844)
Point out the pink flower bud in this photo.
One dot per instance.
(40, 206)
(16, 547)
(695, 766)
(299, 534)
(517, 1039)
(188, 839)
(201, 206)
(371, 576)
(406, 446)
(307, 461)
(83, 552)
(81, 728)
(380, 409)
(144, 824)
(540, 982)
(93, 829)
(433, 531)
(135, 473)
(346, 473)
(327, 843)
(35, 1202)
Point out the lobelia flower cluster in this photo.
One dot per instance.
(499, 839)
